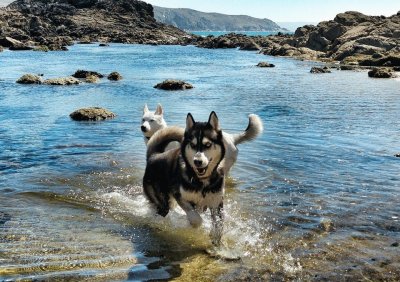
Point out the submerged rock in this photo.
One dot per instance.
(93, 113)
(265, 65)
(172, 84)
(380, 73)
(92, 79)
(319, 70)
(114, 76)
(29, 79)
(69, 80)
(85, 74)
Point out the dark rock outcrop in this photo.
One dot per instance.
(265, 65)
(85, 74)
(57, 23)
(172, 84)
(94, 113)
(319, 70)
(380, 73)
(29, 79)
(115, 76)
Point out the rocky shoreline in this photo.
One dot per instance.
(351, 39)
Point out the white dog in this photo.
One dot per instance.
(152, 122)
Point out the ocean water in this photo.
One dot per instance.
(248, 33)
(315, 197)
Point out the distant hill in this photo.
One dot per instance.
(192, 20)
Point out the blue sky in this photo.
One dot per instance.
(286, 10)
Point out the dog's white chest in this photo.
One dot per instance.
(210, 200)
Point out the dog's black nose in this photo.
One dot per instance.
(198, 163)
(143, 128)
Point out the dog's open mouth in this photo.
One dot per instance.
(201, 170)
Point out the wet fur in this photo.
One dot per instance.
(254, 128)
(189, 174)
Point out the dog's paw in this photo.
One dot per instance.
(194, 218)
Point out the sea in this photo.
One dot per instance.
(315, 197)
(248, 33)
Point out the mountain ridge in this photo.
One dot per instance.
(193, 20)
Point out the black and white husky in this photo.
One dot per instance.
(188, 174)
(154, 121)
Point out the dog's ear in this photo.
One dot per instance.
(189, 121)
(213, 120)
(145, 109)
(159, 111)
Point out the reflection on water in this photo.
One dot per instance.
(314, 198)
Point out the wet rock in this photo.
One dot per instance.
(265, 65)
(9, 42)
(250, 46)
(326, 225)
(115, 76)
(395, 244)
(92, 79)
(93, 113)
(69, 80)
(171, 84)
(4, 217)
(397, 155)
(104, 44)
(348, 67)
(29, 79)
(85, 74)
(380, 73)
(319, 70)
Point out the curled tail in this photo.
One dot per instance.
(162, 138)
(254, 128)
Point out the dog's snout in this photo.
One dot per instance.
(198, 163)
(143, 128)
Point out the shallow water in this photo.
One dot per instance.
(315, 197)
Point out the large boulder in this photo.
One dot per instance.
(352, 18)
(29, 79)
(93, 113)
(380, 73)
(115, 76)
(172, 84)
(85, 74)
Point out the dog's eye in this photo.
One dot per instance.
(152, 120)
(143, 120)
(208, 145)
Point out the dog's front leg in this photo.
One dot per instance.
(193, 216)
(217, 217)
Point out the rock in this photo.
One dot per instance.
(319, 70)
(395, 244)
(85, 74)
(347, 67)
(171, 84)
(352, 18)
(397, 155)
(69, 80)
(104, 44)
(94, 113)
(326, 225)
(380, 73)
(114, 76)
(250, 46)
(29, 79)
(265, 65)
(92, 79)
(9, 42)
(87, 21)
(1, 49)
